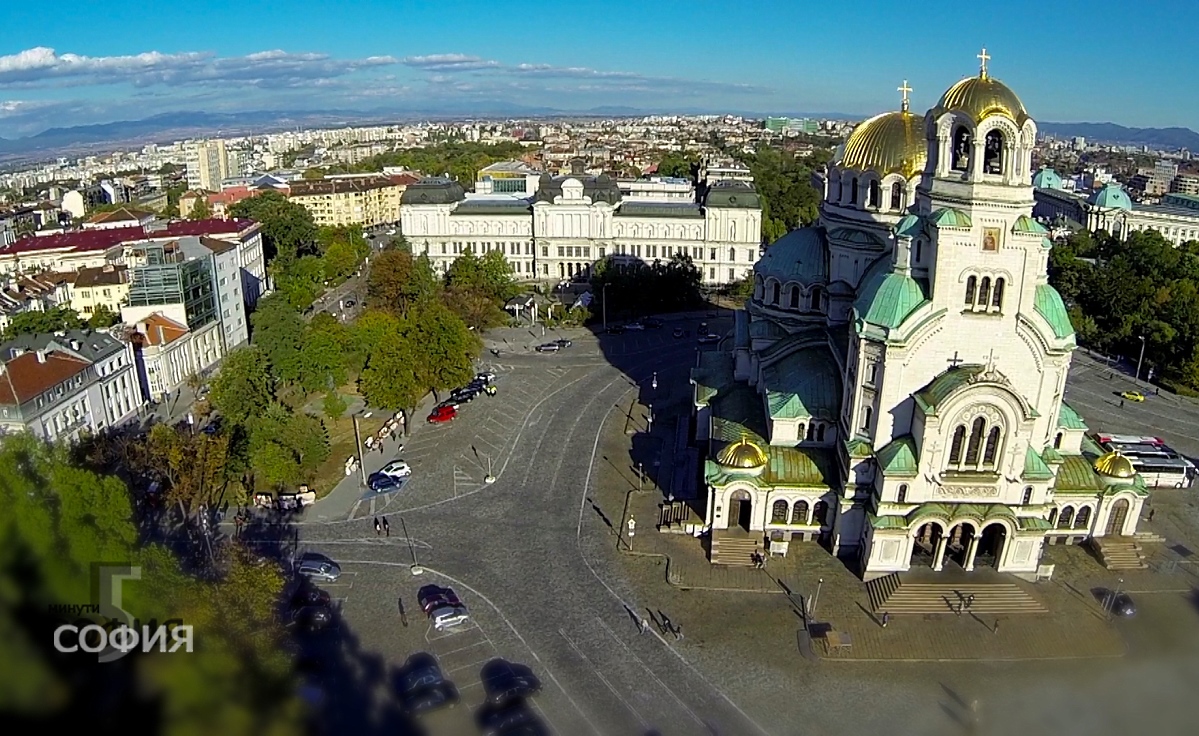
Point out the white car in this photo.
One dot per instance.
(635, 326)
(447, 617)
(396, 469)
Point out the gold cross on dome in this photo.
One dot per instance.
(905, 89)
(984, 58)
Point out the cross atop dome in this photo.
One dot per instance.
(905, 89)
(984, 58)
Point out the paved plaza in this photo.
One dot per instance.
(551, 584)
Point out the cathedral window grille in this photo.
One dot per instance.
(902, 495)
(958, 444)
(793, 300)
(815, 304)
(1083, 519)
(799, 512)
(1066, 518)
(774, 294)
(867, 415)
(974, 447)
(993, 153)
(853, 192)
(971, 287)
(1027, 498)
(778, 512)
(896, 196)
(984, 291)
(732, 255)
(1057, 441)
(871, 373)
(820, 433)
(997, 294)
(919, 251)
(819, 512)
(1053, 517)
(962, 142)
(875, 194)
(992, 448)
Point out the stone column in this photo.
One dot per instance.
(939, 554)
(971, 551)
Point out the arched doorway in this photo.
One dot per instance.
(924, 546)
(991, 545)
(740, 510)
(958, 545)
(1116, 517)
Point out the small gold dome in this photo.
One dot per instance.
(742, 454)
(891, 143)
(980, 97)
(1115, 465)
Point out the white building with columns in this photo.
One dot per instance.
(893, 389)
(574, 220)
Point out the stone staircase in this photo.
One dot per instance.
(892, 594)
(1120, 553)
(733, 550)
(1148, 538)
(677, 518)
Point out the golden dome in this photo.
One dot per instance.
(742, 454)
(980, 97)
(891, 143)
(1115, 465)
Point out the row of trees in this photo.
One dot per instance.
(784, 182)
(1120, 291)
(648, 288)
(461, 160)
(58, 318)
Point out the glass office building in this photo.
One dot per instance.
(164, 273)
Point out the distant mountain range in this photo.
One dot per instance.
(176, 125)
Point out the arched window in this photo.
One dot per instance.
(820, 433)
(974, 448)
(1065, 518)
(1027, 498)
(955, 448)
(799, 512)
(759, 290)
(971, 287)
(774, 294)
(793, 298)
(867, 415)
(919, 251)
(1082, 521)
(853, 192)
(732, 231)
(984, 291)
(1057, 441)
(896, 196)
(732, 255)
(997, 294)
(811, 433)
(875, 194)
(840, 191)
(1053, 517)
(902, 495)
(992, 447)
(819, 512)
(962, 141)
(778, 512)
(815, 303)
(993, 153)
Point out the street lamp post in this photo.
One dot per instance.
(489, 478)
(650, 418)
(815, 598)
(358, 448)
(1140, 359)
(640, 477)
(416, 569)
(654, 384)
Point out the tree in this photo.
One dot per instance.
(242, 387)
(200, 210)
(300, 281)
(677, 165)
(288, 230)
(391, 377)
(397, 282)
(40, 323)
(102, 318)
(278, 333)
(444, 348)
(322, 356)
(285, 447)
(193, 464)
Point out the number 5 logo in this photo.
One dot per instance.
(108, 579)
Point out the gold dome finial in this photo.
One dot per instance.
(984, 58)
(905, 89)
(742, 454)
(1115, 465)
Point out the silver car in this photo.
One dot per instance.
(446, 617)
(319, 568)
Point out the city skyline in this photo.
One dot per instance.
(111, 65)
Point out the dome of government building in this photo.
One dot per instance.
(891, 143)
(981, 97)
(742, 454)
(1115, 465)
(1047, 179)
(1112, 196)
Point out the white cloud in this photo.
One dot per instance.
(450, 63)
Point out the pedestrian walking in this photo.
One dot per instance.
(644, 625)
(378, 526)
(1121, 403)
(995, 630)
(1151, 513)
(386, 527)
(969, 601)
(886, 619)
(667, 627)
(403, 613)
(678, 633)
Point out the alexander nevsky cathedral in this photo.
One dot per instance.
(893, 390)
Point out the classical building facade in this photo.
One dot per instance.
(571, 221)
(1175, 217)
(894, 387)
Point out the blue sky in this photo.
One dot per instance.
(101, 62)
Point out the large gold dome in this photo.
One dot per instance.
(982, 96)
(742, 454)
(1115, 465)
(891, 143)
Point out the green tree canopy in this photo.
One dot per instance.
(242, 387)
(102, 318)
(200, 210)
(397, 281)
(783, 181)
(443, 345)
(460, 160)
(52, 320)
(288, 230)
(648, 288)
(391, 377)
(285, 447)
(278, 333)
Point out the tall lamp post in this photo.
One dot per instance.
(650, 418)
(654, 384)
(1140, 359)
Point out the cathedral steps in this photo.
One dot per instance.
(733, 550)
(894, 596)
(1148, 538)
(1120, 553)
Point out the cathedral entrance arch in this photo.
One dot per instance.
(961, 539)
(991, 545)
(1116, 517)
(927, 545)
(742, 509)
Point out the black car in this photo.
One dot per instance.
(314, 619)
(616, 330)
(464, 395)
(549, 347)
(422, 687)
(514, 717)
(702, 329)
(653, 323)
(434, 697)
(563, 342)
(505, 682)
(382, 483)
(308, 595)
(1122, 605)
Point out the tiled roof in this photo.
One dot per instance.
(1076, 475)
(101, 276)
(120, 215)
(1035, 467)
(1067, 418)
(217, 246)
(206, 227)
(78, 240)
(162, 330)
(898, 458)
(26, 377)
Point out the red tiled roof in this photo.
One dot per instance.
(25, 377)
(404, 179)
(119, 215)
(206, 227)
(79, 240)
(162, 330)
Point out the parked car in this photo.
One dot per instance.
(514, 717)
(308, 595)
(616, 330)
(653, 323)
(486, 376)
(431, 597)
(463, 395)
(314, 619)
(679, 332)
(564, 343)
(634, 327)
(396, 469)
(504, 682)
(1122, 605)
(318, 567)
(443, 414)
(549, 347)
(702, 329)
(447, 617)
(381, 483)
(422, 687)
(708, 339)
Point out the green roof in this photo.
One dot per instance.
(808, 467)
(800, 255)
(853, 235)
(1046, 243)
(949, 217)
(736, 413)
(859, 448)
(1050, 455)
(1032, 524)
(899, 458)
(1025, 224)
(1035, 467)
(945, 384)
(741, 329)
(1049, 305)
(1112, 196)
(713, 374)
(806, 383)
(888, 297)
(765, 328)
(1076, 474)
(1067, 418)
(909, 226)
(888, 522)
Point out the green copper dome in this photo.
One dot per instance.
(1048, 303)
(1112, 196)
(1047, 179)
(888, 297)
(800, 255)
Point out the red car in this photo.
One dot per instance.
(432, 597)
(443, 414)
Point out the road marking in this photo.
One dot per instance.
(658, 680)
(354, 510)
(596, 671)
